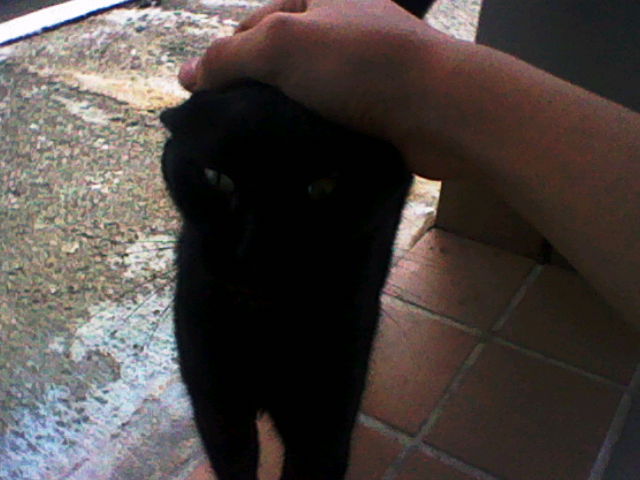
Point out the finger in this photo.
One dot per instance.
(290, 6)
(253, 53)
(188, 74)
(248, 54)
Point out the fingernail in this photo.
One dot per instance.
(188, 73)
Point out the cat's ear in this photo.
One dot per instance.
(189, 117)
(174, 119)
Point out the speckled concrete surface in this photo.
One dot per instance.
(89, 385)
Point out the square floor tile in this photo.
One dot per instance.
(460, 278)
(525, 419)
(371, 453)
(420, 466)
(414, 360)
(562, 317)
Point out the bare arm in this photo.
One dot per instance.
(566, 159)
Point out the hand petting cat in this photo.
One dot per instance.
(353, 62)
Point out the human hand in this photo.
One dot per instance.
(359, 63)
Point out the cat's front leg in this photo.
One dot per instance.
(316, 441)
(315, 410)
(223, 409)
(230, 439)
(223, 403)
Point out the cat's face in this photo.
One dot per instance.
(262, 177)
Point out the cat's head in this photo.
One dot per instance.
(260, 174)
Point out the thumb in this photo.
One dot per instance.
(188, 74)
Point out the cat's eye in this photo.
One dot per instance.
(322, 188)
(219, 180)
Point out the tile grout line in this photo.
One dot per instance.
(517, 297)
(444, 319)
(531, 276)
(611, 438)
(407, 441)
(416, 440)
(484, 337)
(372, 422)
(460, 465)
(615, 429)
(558, 363)
(452, 388)
(635, 382)
(529, 280)
(491, 336)
(414, 443)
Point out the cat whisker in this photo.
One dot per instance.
(150, 296)
(390, 316)
(144, 250)
(150, 243)
(396, 322)
(156, 325)
(167, 277)
(156, 241)
(393, 284)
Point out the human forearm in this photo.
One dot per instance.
(566, 159)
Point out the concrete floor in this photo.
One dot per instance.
(88, 372)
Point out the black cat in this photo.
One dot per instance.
(288, 226)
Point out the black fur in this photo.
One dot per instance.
(279, 277)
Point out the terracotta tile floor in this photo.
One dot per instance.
(488, 366)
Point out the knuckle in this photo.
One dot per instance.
(274, 48)
(277, 25)
(215, 64)
(215, 50)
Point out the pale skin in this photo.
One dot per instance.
(566, 159)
